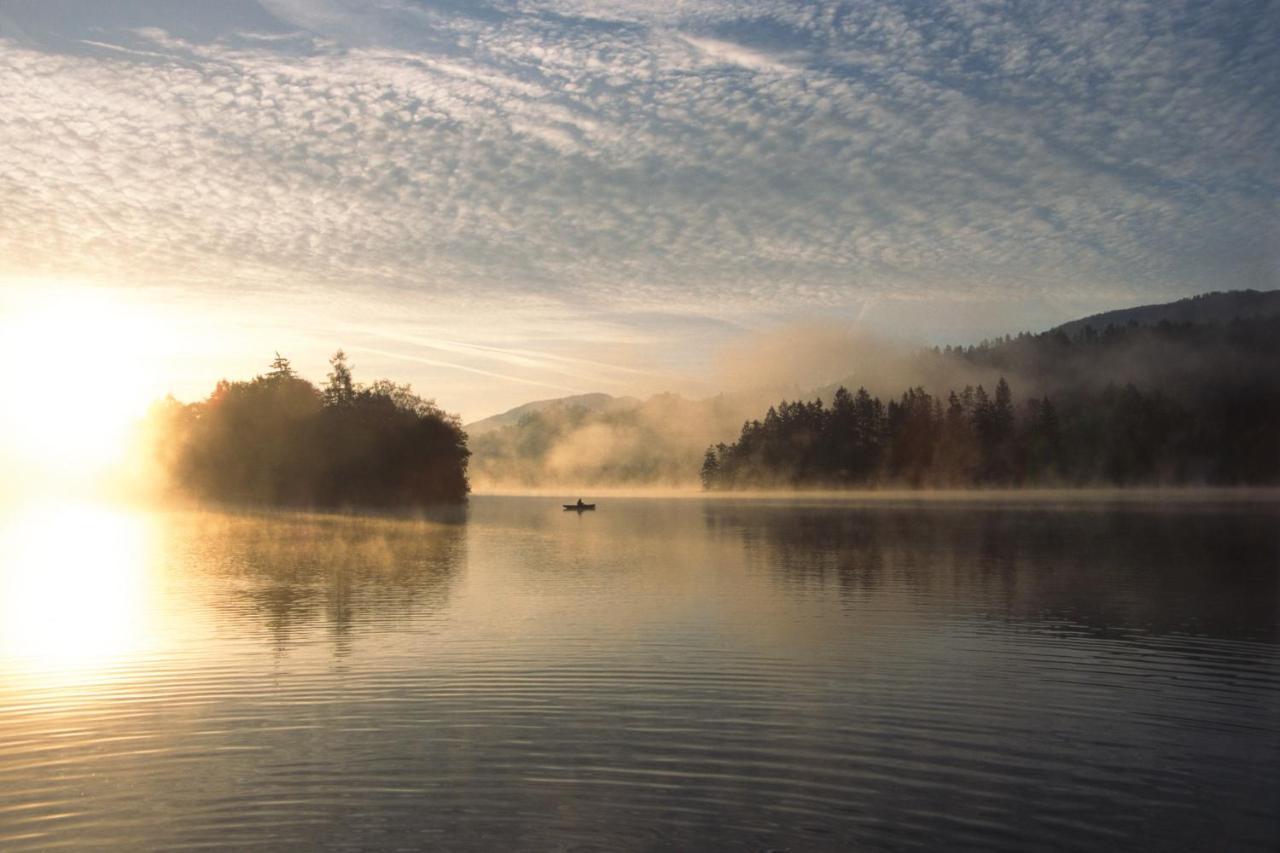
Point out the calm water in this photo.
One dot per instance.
(696, 675)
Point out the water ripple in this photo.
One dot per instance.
(473, 686)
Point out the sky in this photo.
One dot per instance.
(516, 200)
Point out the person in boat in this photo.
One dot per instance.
(580, 503)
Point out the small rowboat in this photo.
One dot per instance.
(579, 507)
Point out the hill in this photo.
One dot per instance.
(655, 442)
(1211, 363)
(597, 402)
(1216, 307)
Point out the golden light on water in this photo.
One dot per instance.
(74, 587)
(80, 370)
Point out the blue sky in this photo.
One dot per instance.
(511, 200)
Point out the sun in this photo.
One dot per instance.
(80, 373)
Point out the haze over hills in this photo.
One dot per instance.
(1190, 352)
(624, 442)
(597, 402)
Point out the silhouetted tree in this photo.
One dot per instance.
(998, 441)
(341, 388)
(281, 368)
(913, 433)
(277, 439)
(1121, 436)
(1040, 458)
(710, 468)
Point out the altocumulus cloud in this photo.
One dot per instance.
(705, 157)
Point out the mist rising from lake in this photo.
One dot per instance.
(701, 673)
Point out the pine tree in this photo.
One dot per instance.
(710, 469)
(281, 368)
(341, 390)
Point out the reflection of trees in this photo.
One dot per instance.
(1107, 568)
(807, 550)
(299, 572)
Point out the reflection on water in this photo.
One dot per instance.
(74, 590)
(299, 574)
(692, 674)
(1178, 570)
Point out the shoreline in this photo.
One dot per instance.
(1134, 494)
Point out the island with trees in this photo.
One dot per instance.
(277, 439)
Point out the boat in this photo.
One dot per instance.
(580, 507)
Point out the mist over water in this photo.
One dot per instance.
(604, 425)
(761, 673)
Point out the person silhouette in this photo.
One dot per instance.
(580, 503)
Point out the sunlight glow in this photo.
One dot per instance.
(74, 582)
(78, 377)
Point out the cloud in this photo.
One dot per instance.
(453, 365)
(709, 158)
(723, 52)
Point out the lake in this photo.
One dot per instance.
(692, 674)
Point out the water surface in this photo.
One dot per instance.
(690, 674)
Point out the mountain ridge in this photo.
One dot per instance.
(1219, 306)
(591, 402)
(1213, 307)
(601, 440)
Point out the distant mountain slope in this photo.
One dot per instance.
(587, 402)
(1197, 363)
(1217, 307)
(1170, 403)
(656, 442)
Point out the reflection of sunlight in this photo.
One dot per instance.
(73, 590)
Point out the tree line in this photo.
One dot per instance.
(1119, 435)
(279, 439)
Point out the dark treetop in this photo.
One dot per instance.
(277, 439)
(1205, 408)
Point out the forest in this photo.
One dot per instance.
(277, 439)
(1210, 415)
(1192, 387)
(1166, 403)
